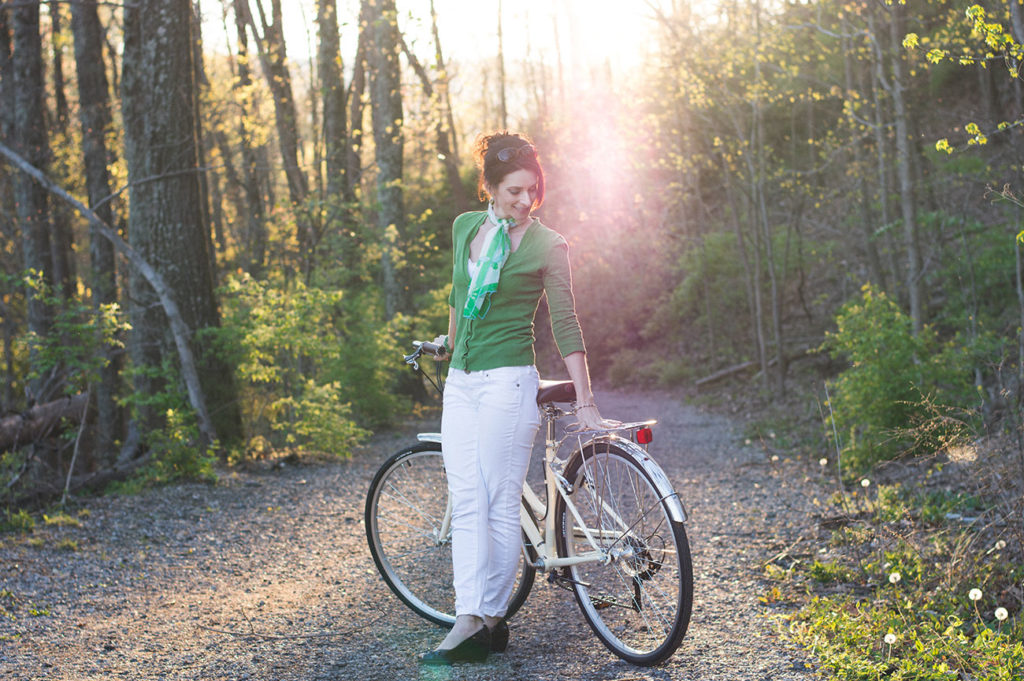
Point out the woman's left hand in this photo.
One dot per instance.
(589, 418)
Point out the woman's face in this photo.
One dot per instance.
(514, 197)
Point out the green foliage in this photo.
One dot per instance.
(79, 338)
(895, 396)
(20, 521)
(174, 455)
(61, 519)
(934, 603)
(829, 572)
(849, 638)
(311, 362)
(319, 419)
(927, 506)
(711, 295)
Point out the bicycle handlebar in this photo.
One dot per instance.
(429, 348)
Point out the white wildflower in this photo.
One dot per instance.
(1001, 614)
(894, 578)
(974, 594)
(890, 638)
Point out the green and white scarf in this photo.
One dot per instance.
(485, 279)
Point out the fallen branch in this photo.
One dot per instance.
(728, 371)
(40, 420)
(802, 353)
(179, 329)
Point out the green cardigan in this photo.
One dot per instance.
(504, 337)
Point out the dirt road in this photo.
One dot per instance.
(266, 575)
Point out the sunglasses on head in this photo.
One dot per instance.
(509, 153)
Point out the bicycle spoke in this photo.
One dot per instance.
(637, 601)
(404, 513)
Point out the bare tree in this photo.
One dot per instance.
(503, 106)
(258, 189)
(443, 140)
(94, 115)
(274, 60)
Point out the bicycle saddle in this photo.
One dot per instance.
(555, 391)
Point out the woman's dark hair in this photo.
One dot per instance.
(494, 164)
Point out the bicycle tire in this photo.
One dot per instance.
(405, 506)
(638, 602)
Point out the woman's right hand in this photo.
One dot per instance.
(442, 343)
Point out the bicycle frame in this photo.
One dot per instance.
(556, 484)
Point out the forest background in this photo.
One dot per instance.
(218, 235)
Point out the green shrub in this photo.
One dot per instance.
(61, 519)
(320, 420)
(175, 456)
(902, 393)
(21, 522)
(311, 362)
(78, 338)
(826, 573)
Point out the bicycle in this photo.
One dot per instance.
(616, 536)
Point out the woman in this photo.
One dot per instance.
(504, 260)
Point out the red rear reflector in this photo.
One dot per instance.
(644, 435)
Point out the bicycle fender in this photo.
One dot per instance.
(677, 513)
(429, 437)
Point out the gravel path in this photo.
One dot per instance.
(266, 575)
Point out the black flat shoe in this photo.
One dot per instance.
(473, 649)
(499, 636)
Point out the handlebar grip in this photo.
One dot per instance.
(431, 348)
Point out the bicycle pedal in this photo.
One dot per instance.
(565, 582)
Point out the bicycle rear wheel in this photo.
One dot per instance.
(638, 599)
(405, 509)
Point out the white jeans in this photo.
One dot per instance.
(488, 425)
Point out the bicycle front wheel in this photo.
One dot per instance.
(637, 593)
(406, 508)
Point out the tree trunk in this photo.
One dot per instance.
(6, 85)
(61, 239)
(356, 90)
(444, 94)
(254, 156)
(762, 210)
(904, 170)
(166, 223)
(332, 93)
(274, 59)
(6, 199)
(752, 289)
(878, 86)
(441, 139)
(503, 107)
(1017, 24)
(29, 141)
(199, 84)
(386, 107)
(875, 272)
(94, 114)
